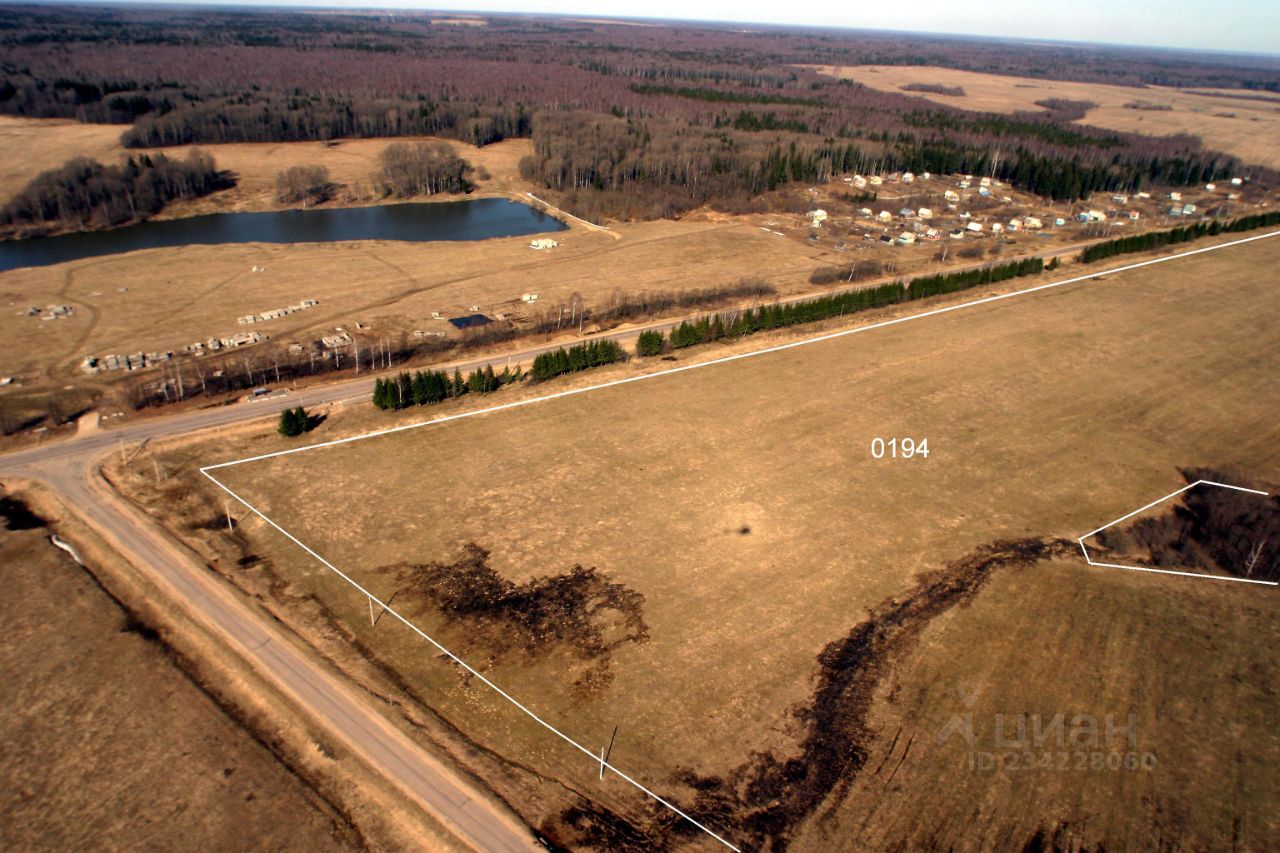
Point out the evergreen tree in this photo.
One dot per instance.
(649, 343)
(293, 422)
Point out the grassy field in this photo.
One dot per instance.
(1192, 663)
(738, 518)
(108, 745)
(1249, 129)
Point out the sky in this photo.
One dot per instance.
(1251, 26)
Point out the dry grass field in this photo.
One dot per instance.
(1249, 129)
(1192, 663)
(176, 296)
(31, 146)
(743, 533)
(109, 746)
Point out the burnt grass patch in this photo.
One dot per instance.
(18, 516)
(765, 799)
(580, 610)
(1215, 529)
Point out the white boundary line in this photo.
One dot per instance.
(627, 380)
(738, 356)
(1155, 502)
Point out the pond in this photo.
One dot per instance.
(479, 219)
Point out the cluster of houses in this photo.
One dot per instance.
(51, 312)
(336, 341)
(277, 313)
(137, 361)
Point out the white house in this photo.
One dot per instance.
(1031, 223)
(908, 177)
(885, 216)
(906, 238)
(974, 226)
(924, 213)
(543, 243)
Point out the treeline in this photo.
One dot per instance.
(575, 358)
(259, 117)
(738, 324)
(1174, 236)
(84, 193)
(424, 387)
(625, 123)
(723, 97)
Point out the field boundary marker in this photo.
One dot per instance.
(1085, 550)
(386, 608)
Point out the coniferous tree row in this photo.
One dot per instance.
(578, 357)
(738, 324)
(424, 387)
(949, 282)
(1156, 239)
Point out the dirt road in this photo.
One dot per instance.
(336, 707)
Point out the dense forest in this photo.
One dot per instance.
(625, 121)
(84, 193)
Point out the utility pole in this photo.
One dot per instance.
(226, 505)
(155, 463)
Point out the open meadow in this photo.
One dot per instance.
(1246, 125)
(752, 577)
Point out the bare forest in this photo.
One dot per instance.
(632, 122)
